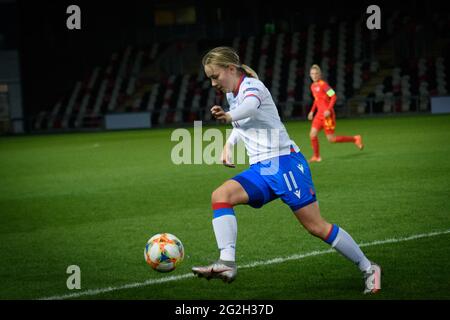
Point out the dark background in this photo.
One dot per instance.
(53, 56)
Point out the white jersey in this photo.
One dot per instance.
(263, 133)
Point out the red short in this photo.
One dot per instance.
(328, 124)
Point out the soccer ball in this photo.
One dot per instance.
(164, 252)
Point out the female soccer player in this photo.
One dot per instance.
(277, 170)
(324, 100)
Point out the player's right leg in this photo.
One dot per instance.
(224, 222)
(315, 144)
(246, 188)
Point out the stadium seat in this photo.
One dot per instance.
(282, 61)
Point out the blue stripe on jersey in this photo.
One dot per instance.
(251, 89)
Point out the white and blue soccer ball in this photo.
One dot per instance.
(164, 252)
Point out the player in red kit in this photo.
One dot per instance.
(325, 118)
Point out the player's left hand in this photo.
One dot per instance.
(327, 113)
(226, 156)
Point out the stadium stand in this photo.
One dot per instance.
(105, 89)
(367, 80)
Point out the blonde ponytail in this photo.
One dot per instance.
(249, 71)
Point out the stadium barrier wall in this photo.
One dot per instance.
(135, 120)
(297, 110)
(440, 105)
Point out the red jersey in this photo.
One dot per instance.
(324, 97)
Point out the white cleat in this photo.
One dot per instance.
(225, 270)
(372, 279)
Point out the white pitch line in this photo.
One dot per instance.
(150, 282)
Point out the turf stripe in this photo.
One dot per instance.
(93, 292)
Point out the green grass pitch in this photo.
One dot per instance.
(94, 199)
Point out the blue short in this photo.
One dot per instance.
(287, 177)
